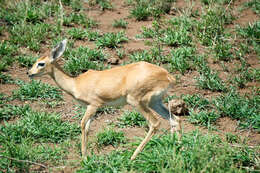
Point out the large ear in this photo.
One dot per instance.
(58, 50)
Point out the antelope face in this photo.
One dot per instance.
(43, 65)
(40, 67)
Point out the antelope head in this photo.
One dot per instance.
(43, 65)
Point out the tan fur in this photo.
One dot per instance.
(134, 84)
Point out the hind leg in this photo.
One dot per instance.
(153, 120)
(157, 105)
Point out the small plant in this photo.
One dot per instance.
(10, 111)
(180, 59)
(82, 59)
(104, 4)
(110, 137)
(223, 51)
(204, 118)
(141, 56)
(193, 153)
(111, 40)
(37, 90)
(30, 35)
(26, 60)
(209, 79)
(254, 4)
(121, 23)
(80, 19)
(232, 138)
(77, 33)
(120, 53)
(132, 119)
(39, 127)
(140, 11)
(196, 101)
(5, 79)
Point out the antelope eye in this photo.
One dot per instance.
(41, 64)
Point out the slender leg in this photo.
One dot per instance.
(85, 124)
(153, 125)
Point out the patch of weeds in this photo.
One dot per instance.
(196, 101)
(120, 53)
(131, 119)
(83, 59)
(254, 5)
(29, 151)
(80, 19)
(223, 51)
(180, 59)
(110, 137)
(76, 5)
(121, 23)
(210, 28)
(141, 56)
(7, 49)
(39, 127)
(104, 4)
(245, 109)
(5, 79)
(193, 153)
(3, 98)
(29, 35)
(232, 138)
(35, 90)
(26, 60)
(140, 11)
(205, 118)
(10, 111)
(77, 33)
(252, 35)
(246, 75)
(111, 40)
(210, 80)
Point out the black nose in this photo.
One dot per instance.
(27, 73)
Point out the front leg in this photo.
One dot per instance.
(85, 124)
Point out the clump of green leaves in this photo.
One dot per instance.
(35, 90)
(180, 59)
(121, 23)
(110, 137)
(131, 119)
(29, 35)
(83, 59)
(192, 153)
(10, 111)
(79, 19)
(209, 79)
(26, 60)
(111, 40)
(104, 4)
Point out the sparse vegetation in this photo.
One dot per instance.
(204, 43)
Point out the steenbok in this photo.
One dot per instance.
(140, 84)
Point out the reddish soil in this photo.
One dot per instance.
(186, 85)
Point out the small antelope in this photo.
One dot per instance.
(140, 84)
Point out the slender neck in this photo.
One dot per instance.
(64, 81)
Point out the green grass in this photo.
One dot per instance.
(30, 35)
(26, 60)
(180, 59)
(195, 152)
(210, 80)
(11, 111)
(82, 59)
(111, 40)
(244, 108)
(254, 5)
(5, 79)
(110, 137)
(39, 127)
(35, 90)
(29, 138)
(131, 119)
(121, 23)
(103, 4)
